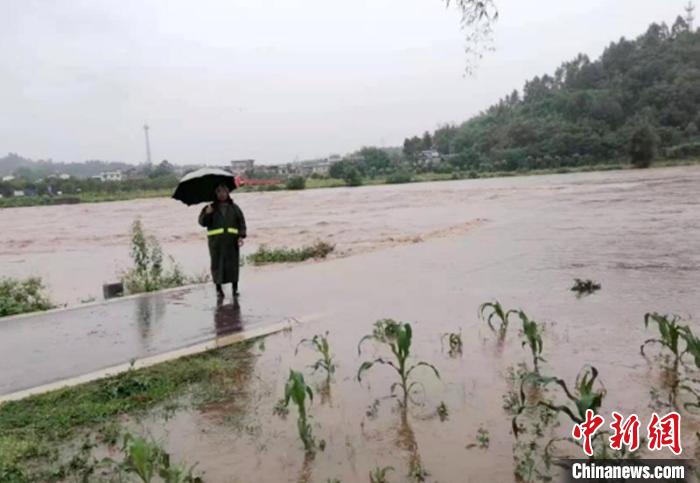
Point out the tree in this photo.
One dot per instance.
(427, 141)
(375, 160)
(352, 176)
(412, 146)
(296, 183)
(164, 168)
(643, 146)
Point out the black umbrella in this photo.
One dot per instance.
(199, 185)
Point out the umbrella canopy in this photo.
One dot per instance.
(198, 186)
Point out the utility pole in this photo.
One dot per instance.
(689, 17)
(148, 144)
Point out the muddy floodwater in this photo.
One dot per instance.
(428, 254)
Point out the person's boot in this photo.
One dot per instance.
(235, 291)
(219, 292)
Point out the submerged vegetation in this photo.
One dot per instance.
(319, 343)
(149, 272)
(398, 336)
(585, 287)
(265, 255)
(491, 311)
(21, 296)
(297, 391)
(32, 429)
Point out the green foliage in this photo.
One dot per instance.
(643, 147)
(496, 311)
(378, 474)
(20, 296)
(686, 150)
(149, 462)
(296, 391)
(265, 255)
(31, 427)
(148, 273)
(320, 344)
(670, 332)
(352, 177)
(532, 333)
(588, 111)
(454, 340)
(296, 183)
(584, 287)
(586, 395)
(399, 177)
(398, 337)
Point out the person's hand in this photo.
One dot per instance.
(241, 241)
(209, 210)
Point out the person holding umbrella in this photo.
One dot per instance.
(226, 231)
(223, 219)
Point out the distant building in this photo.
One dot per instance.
(240, 166)
(110, 176)
(63, 176)
(430, 157)
(8, 178)
(18, 193)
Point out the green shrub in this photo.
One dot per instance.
(265, 255)
(399, 177)
(148, 273)
(642, 147)
(296, 183)
(352, 177)
(20, 296)
(681, 151)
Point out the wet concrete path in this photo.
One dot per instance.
(44, 348)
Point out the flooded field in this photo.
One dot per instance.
(428, 254)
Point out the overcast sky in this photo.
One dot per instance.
(271, 80)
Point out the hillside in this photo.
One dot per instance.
(588, 111)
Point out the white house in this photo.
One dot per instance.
(110, 176)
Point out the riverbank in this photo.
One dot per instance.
(316, 183)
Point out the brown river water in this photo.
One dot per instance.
(428, 254)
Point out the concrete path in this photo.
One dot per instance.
(42, 349)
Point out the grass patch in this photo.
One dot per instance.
(265, 255)
(30, 429)
(20, 296)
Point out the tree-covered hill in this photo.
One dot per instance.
(640, 98)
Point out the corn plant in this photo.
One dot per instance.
(319, 343)
(398, 337)
(296, 391)
(671, 332)
(693, 348)
(494, 310)
(584, 287)
(586, 395)
(454, 340)
(532, 334)
(378, 475)
(148, 461)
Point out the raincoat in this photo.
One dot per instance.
(224, 228)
